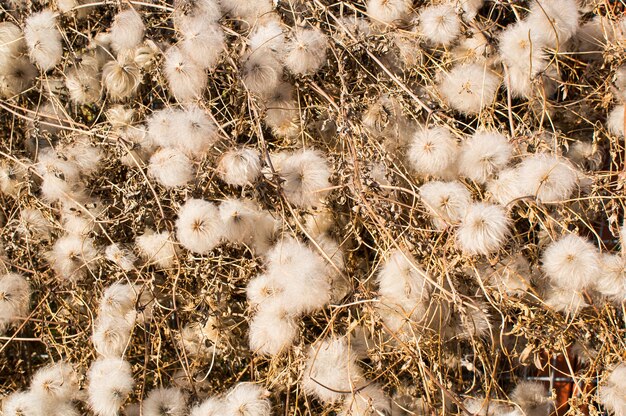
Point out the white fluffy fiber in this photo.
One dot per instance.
(43, 39)
(186, 79)
(440, 24)
(306, 177)
(483, 155)
(306, 51)
(14, 299)
(201, 42)
(247, 399)
(331, 370)
(484, 229)
(433, 151)
(403, 281)
(72, 256)
(157, 248)
(171, 168)
(127, 31)
(56, 382)
(615, 122)
(445, 201)
(240, 166)
(169, 401)
(388, 11)
(368, 401)
(571, 262)
(612, 392)
(272, 330)
(555, 21)
(469, 88)
(110, 381)
(111, 336)
(199, 227)
(548, 178)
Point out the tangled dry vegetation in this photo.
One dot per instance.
(247, 207)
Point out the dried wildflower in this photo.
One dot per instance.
(110, 381)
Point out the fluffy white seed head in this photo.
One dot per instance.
(83, 84)
(171, 168)
(388, 11)
(111, 335)
(43, 39)
(440, 24)
(12, 42)
(369, 401)
(483, 230)
(306, 174)
(571, 262)
(615, 122)
(121, 77)
(433, 151)
(199, 227)
(302, 274)
(565, 300)
(483, 155)
(261, 73)
(306, 51)
(14, 299)
(127, 31)
(82, 153)
(446, 201)
(555, 21)
(238, 218)
(612, 392)
(469, 88)
(202, 43)
(247, 399)
(56, 382)
(506, 187)
(210, 407)
(272, 330)
(186, 79)
(120, 300)
(22, 403)
(612, 281)
(331, 370)
(240, 166)
(164, 401)
(205, 11)
(533, 398)
(521, 49)
(282, 112)
(122, 257)
(16, 76)
(268, 36)
(247, 11)
(194, 131)
(157, 248)
(547, 177)
(72, 256)
(402, 281)
(34, 224)
(110, 382)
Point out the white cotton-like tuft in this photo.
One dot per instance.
(403, 282)
(210, 407)
(12, 42)
(440, 24)
(164, 401)
(22, 403)
(122, 257)
(121, 77)
(302, 274)
(82, 153)
(120, 300)
(186, 79)
(55, 383)
(171, 168)
(110, 382)
(72, 256)
(612, 281)
(506, 187)
(246, 399)
(206, 11)
(247, 10)
(306, 178)
(548, 178)
(272, 330)
(483, 155)
(111, 336)
(368, 401)
(201, 42)
(43, 39)
(194, 131)
(13, 177)
(483, 230)
(470, 8)
(615, 122)
(282, 112)
(331, 370)
(261, 73)
(565, 300)
(83, 84)
(388, 11)
(127, 31)
(239, 217)
(446, 201)
(16, 76)
(157, 248)
(267, 36)
(34, 224)
(433, 151)
(14, 299)
(612, 392)
(555, 21)
(571, 262)
(533, 398)
(240, 167)
(306, 51)
(199, 227)
(469, 88)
